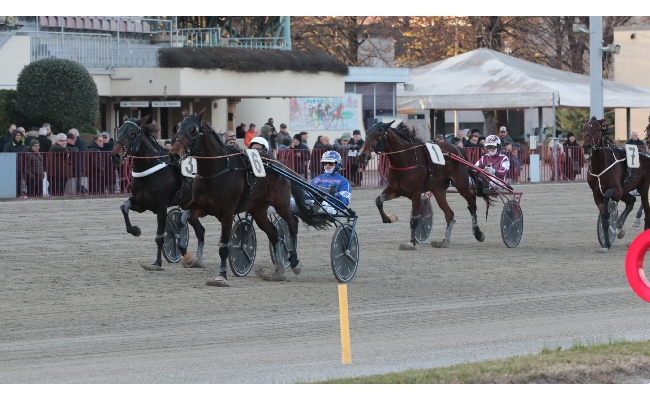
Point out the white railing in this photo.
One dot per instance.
(211, 37)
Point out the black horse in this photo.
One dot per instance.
(224, 186)
(155, 186)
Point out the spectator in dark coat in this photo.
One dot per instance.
(34, 171)
(356, 168)
(300, 155)
(45, 143)
(96, 166)
(16, 144)
(6, 138)
(78, 141)
(240, 131)
(59, 166)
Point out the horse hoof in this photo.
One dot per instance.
(620, 233)
(604, 249)
(440, 245)
(392, 218)
(276, 276)
(189, 261)
(407, 246)
(152, 267)
(297, 269)
(219, 281)
(636, 223)
(482, 238)
(135, 231)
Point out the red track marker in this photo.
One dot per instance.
(634, 265)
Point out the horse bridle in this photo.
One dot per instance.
(381, 145)
(602, 135)
(194, 139)
(134, 144)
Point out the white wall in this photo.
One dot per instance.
(14, 56)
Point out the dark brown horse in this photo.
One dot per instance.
(155, 186)
(610, 178)
(412, 173)
(224, 186)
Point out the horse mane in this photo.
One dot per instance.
(151, 129)
(407, 133)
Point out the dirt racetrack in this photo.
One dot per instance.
(77, 307)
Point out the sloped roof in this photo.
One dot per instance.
(487, 79)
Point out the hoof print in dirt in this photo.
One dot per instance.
(439, 245)
(152, 267)
(219, 281)
(275, 276)
(407, 246)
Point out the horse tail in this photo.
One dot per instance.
(478, 186)
(317, 221)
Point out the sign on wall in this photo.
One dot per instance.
(166, 103)
(324, 113)
(127, 104)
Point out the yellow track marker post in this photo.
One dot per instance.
(345, 325)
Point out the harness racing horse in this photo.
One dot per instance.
(224, 186)
(155, 186)
(609, 177)
(411, 173)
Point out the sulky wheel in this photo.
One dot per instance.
(613, 217)
(425, 221)
(243, 247)
(283, 232)
(344, 259)
(173, 235)
(512, 223)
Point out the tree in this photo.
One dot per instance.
(57, 91)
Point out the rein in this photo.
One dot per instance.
(606, 169)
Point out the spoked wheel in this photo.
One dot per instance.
(243, 247)
(613, 217)
(283, 232)
(512, 224)
(425, 221)
(172, 236)
(345, 259)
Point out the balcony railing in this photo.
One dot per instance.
(211, 37)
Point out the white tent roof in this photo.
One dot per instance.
(487, 79)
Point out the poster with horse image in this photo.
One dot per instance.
(324, 113)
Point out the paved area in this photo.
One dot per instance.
(77, 307)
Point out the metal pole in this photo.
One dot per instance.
(556, 148)
(596, 66)
(628, 122)
(118, 41)
(540, 122)
(456, 124)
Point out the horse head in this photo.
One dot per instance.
(187, 137)
(593, 133)
(375, 141)
(128, 138)
(647, 134)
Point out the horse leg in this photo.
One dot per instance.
(263, 222)
(637, 221)
(465, 191)
(645, 203)
(125, 207)
(226, 231)
(604, 219)
(199, 231)
(386, 195)
(191, 215)
(284, 211)
(629, 206)
(440, 193)
(416, 204)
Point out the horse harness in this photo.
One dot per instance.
(251, 179)
(429, 166)
(134, 147)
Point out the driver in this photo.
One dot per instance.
(493, 162)
(331, 181)
(260, 144)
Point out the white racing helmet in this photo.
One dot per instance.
(259, 140)
(493, 140)
(332, 156)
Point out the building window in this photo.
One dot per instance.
(378, 100)
(349, 87)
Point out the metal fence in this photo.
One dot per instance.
(93, 173)
(211, 37)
